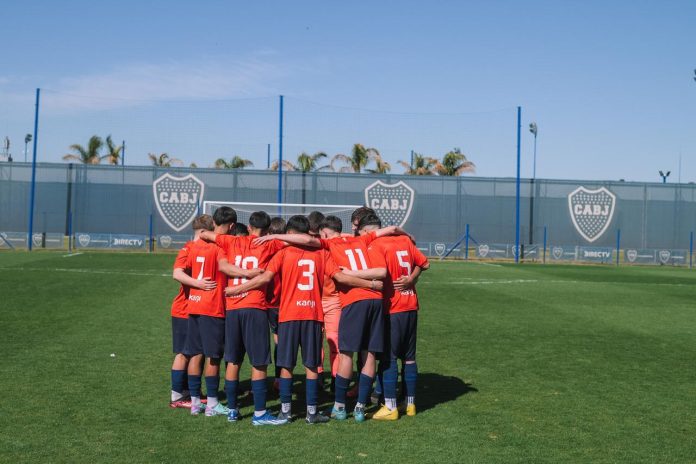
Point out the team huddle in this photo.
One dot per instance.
(301, 281)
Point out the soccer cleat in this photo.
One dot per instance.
(408, 409)
(339, 414)
(197, 409)
(286, 416)
(268, 419)
(317, 418)
(386, 414)
(233, 415)
(218, 410)
(182, 403)
(359, 414)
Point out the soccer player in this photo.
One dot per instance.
(302, 271)
(361, 326)
(246, 322)
(239, 230)
(273, 302)
(179, 395)
(404, 264)
(206, 323)
(358, 214)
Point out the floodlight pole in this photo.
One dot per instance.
(268, 156)
(280, 153)
(517, 187)
(123, 153)
(33, 171)
(533, 129)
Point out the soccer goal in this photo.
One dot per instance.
(284, 210)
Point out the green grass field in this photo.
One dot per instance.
(518, 364)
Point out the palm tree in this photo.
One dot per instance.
(358, 159)
(237, 162)
(422, 165)
(89, 155)
(381, 166)
(114, 153)
(454, 163)
(163, 160)
(305, 163)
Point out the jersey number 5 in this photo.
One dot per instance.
(402, 256)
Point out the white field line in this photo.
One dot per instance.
(72, 254)
(86, 271)
(543, 282)
(483, 263)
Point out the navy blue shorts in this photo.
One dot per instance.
(295, 334)
(179, 331)
(273, 319)
(206, 335)
(361, 327)
(402, 335)
(246, 332)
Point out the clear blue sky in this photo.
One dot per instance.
(610, 84)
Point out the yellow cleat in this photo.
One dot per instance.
(386, 414)
(411, 410)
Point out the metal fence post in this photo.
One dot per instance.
(466, 243)
(517, 187)
(618, 245)
(544, 259)
(33, 171)
(152, 245)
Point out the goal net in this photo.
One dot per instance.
(284, 210)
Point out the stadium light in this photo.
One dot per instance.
(533, 129)
(664, 176)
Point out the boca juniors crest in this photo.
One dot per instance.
(177, 199)
(391, 202)
(591, 211)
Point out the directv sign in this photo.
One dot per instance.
(83, 240)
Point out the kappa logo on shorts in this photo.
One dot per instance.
(664, 256)
(440, 249)
(557, 252)
(631, 255)
(483, 250)
(391, 202)
(591, 211)
(178, 199)
(36, 239)
(165, 241)
(83, 239)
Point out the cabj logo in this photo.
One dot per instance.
(440, 249)
(177, 199)
(391, 202)
(591, 211)
(84, 239)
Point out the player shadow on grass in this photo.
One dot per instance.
(435, 389)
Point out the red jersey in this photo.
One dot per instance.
(273, 293)
(352, 253)
(401, 256)
(243, 253)
(203, 261)
(179, 303)
(302, 272)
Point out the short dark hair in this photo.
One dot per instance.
(299, 224)
(369, 220)
(315, 219)
(332, 222)
(277, 226)
(224, 215)
(204, 221)
(360, 212)
(260, 220)
(239, 229)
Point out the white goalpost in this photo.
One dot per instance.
(284, 210)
